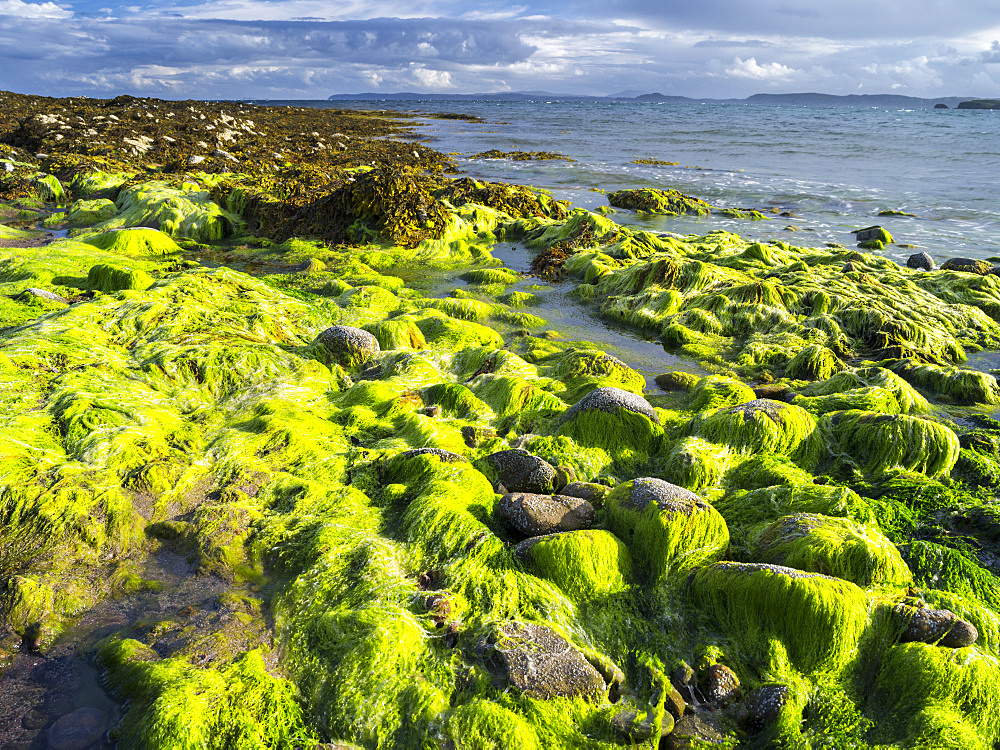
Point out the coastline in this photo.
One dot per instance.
(310, 438)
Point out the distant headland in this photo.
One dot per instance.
(803, 99)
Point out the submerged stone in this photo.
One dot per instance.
(77, 730)
(538, 662)
(534, 515)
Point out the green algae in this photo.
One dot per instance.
(836, 547)
(819, 620)
(194, 408)
(666, 542)
(584, 564)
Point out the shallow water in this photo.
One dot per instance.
(834, 168)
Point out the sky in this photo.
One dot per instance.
(310, 49)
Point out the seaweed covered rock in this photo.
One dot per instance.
(84, 213)
(589, 491)
(670, 202)
(762, 426)
(957, 384)
(668, 529)
(764, 706)
(936, 626)
(818, 619)
(934, 697)
(716, 392)
(876, 233)
(585, 564)
(106, 278)
(533, 515)
(348, 346)
(516, 470)
(620, 422)
(876, 444)
(139, 242)
(837, 547)
(535, 660)
(967, 265)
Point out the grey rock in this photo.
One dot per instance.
(611, 400)
(937, 626)
(349, 345)
(667, 496)
(537, 515)
(77, 730)
(869, 233)
(537, 661)
(920, 260)
(763, 706)
(589, 491)
(45, 294)
(195, 159)
(849, 268)
(516, 470)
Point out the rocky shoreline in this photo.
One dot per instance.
(269, 492)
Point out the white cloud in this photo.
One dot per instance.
(32, 10)
(749, 68)
(433, 79)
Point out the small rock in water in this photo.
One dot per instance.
(920, 260)
(693, 731)
(519, 471)
(77, 730)
(535, 515)
(631, 726)
(873, 233)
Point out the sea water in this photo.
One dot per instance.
(832, 168)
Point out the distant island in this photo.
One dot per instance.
(803, 99)
(980, 104)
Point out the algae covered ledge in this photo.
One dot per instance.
(291, 459)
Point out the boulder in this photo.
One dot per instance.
(538, 662)
(720, 685)
(920, 260)
(516, 470)
(668, 529)
(617, 421)
(535, 515)
(967, 265)
(348, 346)
(695, 731)
(937, 626)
